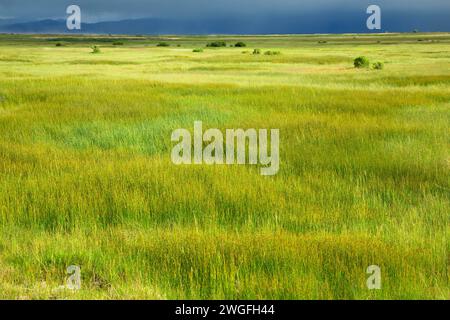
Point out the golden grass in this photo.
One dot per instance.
(86, 177)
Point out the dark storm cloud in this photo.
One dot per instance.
(120, 9)
(294, 16)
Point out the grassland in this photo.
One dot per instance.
(86, 177)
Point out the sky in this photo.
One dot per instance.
(428, 15)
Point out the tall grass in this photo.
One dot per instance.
(86, 177)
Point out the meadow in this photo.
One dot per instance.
(86, 177)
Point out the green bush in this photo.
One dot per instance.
(240, 44)
(378, 65)
(95, 49)
(198, 50)
(257, 51)
(272, 53)
(217, 44)
(59, 44)
(163, 44)
(117, 43)
(361, 62)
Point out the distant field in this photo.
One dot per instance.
(86, 177)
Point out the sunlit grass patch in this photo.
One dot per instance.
(87, 179)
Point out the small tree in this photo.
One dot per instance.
(361, 62)
(163, 44)
(95, 49)
(217, 44)
(257, 51)
(378, 65)
(240, 44)
(272, 53)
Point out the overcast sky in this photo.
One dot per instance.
(406, 13)
(97, 10)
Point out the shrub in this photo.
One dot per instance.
(361, 62)
(378, 65)
(95, 49)
(240, 44)
(272, 53)
(163, 44)
(117, 43)
(217, 44)
(59, 44)
(198, 50)
(257, 51)
(322, 41)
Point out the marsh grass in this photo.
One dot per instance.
(86, 176)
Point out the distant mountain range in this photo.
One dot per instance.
(161, 26)
(271, 25)
(345, 22)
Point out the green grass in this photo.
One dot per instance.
(86, 177)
